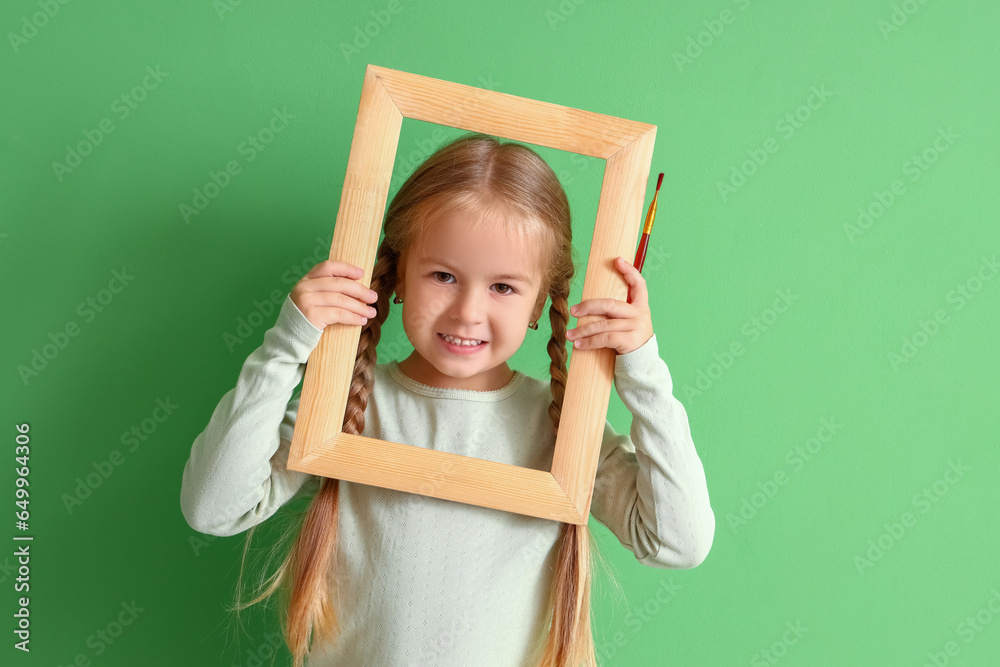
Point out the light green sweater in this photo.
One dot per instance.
(425, 581)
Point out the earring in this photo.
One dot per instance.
(533, 325)
(396, 299)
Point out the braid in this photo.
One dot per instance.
(383, 283)
(570, 640)
(558, 318)
(311, 615)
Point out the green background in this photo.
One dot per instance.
(869, 548)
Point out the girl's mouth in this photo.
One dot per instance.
(460, 342)
(461, 345)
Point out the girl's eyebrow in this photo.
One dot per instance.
(511, 277)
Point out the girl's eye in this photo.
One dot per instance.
(503, 288)
(442, 277)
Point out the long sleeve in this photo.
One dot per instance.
(650, 489)
(236, 477)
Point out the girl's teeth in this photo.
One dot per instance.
(460, 341)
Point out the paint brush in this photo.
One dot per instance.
(640, 254)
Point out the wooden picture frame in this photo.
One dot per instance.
(320, 447)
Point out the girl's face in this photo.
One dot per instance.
(467, 300)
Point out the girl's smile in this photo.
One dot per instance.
(465, 345)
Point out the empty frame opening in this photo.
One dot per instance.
(580, 177)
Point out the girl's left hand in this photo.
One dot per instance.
(626, 326)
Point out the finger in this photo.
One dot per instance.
(338, 300)
(600, 327)
(323, 316)
(341, 285)
(616, 340)
(613, 308)
(636, 283)
(332, 267)
(341, 316)
(341, 310)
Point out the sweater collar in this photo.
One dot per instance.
(493, 396)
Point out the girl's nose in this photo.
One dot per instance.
(469, 307)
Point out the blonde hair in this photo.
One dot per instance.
(505, 183)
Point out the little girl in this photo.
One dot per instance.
(476, 241)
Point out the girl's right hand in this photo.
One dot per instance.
(331, 294)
